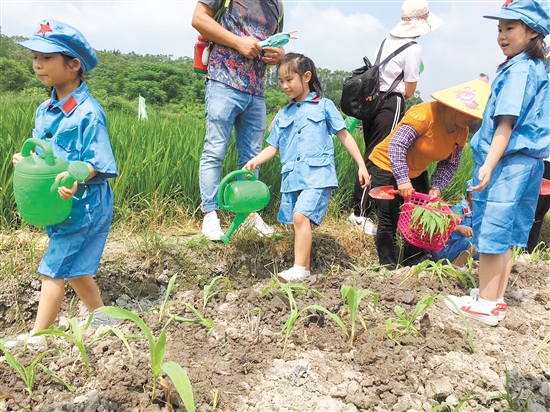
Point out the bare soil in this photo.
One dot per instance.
(240, 366)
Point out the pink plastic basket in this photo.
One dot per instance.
(414, 235)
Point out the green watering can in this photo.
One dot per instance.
(241, 197)
(35, 188)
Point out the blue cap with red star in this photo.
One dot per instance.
(55, 37)
(534, 13)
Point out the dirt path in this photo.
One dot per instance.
(239, 364)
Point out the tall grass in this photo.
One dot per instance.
(158, 162)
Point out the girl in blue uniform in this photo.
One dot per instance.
(508, 151)
(302, 134)
(74, 125)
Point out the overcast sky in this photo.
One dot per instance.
(335, 34)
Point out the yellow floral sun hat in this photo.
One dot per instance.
(470, 98)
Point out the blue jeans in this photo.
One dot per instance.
(227, 108)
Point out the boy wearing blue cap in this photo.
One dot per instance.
(74, 125)
(508, 151)
(460, 245)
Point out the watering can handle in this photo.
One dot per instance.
(31, 143)
(226, 180)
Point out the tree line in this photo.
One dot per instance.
(165, 82)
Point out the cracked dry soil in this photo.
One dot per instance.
(240, 365)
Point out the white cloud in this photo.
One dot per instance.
(336, 34)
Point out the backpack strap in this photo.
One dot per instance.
(218, 15)
(391, 56)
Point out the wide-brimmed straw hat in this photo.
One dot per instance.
(534, 13)
(416, 20)
(470, 98)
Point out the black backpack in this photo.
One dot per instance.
(361, 91)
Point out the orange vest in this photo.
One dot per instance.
(434, 143)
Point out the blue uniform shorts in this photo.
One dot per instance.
(453, 249)
(505, 209)
(76, 245)
(312, 203)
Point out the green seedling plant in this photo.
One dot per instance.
(469, 397)
(28, 374)
(209, 291)
(169, 288)
(157, 350)
(288, 290)
(75, 335)
(199, 319)
(405, 323)
(443, 269)
(515, 403)
(352, 297)
(431, 223)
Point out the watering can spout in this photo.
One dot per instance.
(78, 172)
(241, 197)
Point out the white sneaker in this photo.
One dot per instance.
(26, 338)
(364, 223)
(369, 228)
(211, 228)
(256, 223)
(501, 307)
(471, 308)
(293, 274)
(98, 319)
(356, 220)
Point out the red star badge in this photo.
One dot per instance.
(44, 28)
(508, 2)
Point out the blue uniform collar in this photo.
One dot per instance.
(504, 65)
(311, 98)
(71, 102)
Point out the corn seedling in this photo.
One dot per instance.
(75, 335)
(469, 397)
(515, 403)
(28, 374)
(167, 295)
(209, 291)
(405, 323)
(182, 383)
(443, 269)
(157, 347)
(431, 223)
(544, 349)
(539, 253)
(199, 319)
(516, 251)
(353, 297)
(288, 289)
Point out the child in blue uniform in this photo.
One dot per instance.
(74, 125)
(302, 134)
(508, 151)
(461, 245)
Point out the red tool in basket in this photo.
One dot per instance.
(414, 235)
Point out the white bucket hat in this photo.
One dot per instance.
(416, 20)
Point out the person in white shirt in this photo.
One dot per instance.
(416, 20)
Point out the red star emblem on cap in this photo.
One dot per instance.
(508, 2)
(44, 28)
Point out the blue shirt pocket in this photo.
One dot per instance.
(69, 142)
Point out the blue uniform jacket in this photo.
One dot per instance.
(303, 135)
(521, 89)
